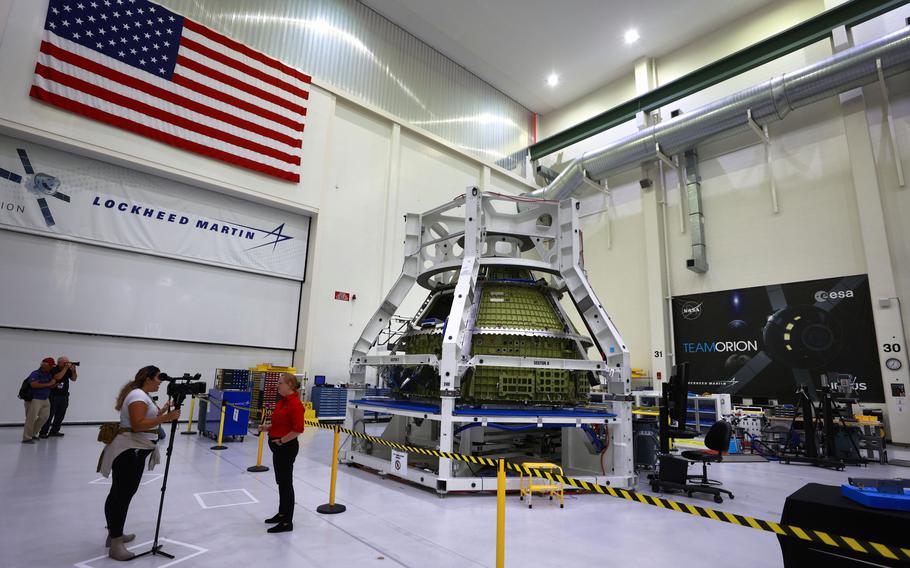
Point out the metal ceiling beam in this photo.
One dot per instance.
(806, 33)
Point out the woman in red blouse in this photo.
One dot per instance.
(286, 425)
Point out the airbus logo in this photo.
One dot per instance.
(823, 296)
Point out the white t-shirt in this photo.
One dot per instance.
(151, 411)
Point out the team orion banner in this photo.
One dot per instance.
(764, 342)
(59, 194)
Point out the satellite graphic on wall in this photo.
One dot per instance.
(40, 184)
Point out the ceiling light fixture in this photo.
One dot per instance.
(631, 36)
(552, 79)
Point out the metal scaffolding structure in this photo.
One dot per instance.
(447, 250)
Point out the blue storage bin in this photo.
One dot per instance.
(236, 420)
(329, 403)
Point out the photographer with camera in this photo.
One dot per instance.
(125, 456)
(286, 425)
(63, 373)
(37, 407)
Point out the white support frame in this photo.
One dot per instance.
(432, 258)
(393, 299)
(484, 419)
(537, 363)
(665, 158)
(385, 360)
(762, 133)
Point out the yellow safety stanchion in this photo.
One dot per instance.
(220, 445)
(332, 507)
(189, 425)
(501, 516)
(259, 467)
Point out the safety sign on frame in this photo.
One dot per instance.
(399, 463)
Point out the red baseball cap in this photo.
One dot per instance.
(48, 360)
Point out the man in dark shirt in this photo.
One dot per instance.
(37, 409)
(63, 373)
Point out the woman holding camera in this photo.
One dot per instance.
(125, 456)
(286, 425)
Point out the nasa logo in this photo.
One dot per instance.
(691, 310)
(823, 296)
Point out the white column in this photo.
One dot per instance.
(892, 344)
(888, 329)
(652, 199)
(486, 178)
(391, 228)
(303, 355)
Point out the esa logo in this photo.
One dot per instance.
(823, 296)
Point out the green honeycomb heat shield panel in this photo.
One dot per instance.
(517, 314)
(518, 307)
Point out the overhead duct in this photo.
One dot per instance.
(547, 174)
(768, 102)
(699, 260)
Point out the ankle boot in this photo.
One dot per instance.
(118, 551)
(126, 538)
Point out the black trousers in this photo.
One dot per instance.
(126, 474)
(283, 457)
(59, 404)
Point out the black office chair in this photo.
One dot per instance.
(717, 439)
(672, 469)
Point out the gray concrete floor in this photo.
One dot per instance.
(52, 514)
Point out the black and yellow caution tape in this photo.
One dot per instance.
(845, 543)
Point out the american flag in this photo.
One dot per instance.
(143, 68)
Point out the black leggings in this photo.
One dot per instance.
(283, 457)
(127, 473)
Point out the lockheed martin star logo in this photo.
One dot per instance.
(276, 235)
